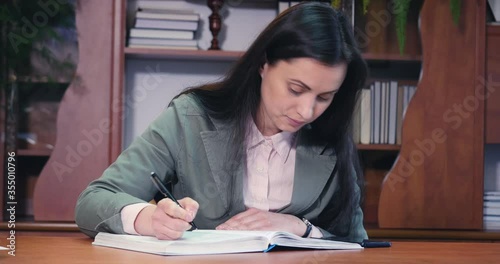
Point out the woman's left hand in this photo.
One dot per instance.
(255, 219)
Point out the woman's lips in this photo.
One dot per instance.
(294, 122)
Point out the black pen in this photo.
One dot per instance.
(375, 244)
(166, 193)
(365, 243)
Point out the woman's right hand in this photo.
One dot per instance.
(166, 220)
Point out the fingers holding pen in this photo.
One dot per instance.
(169, 221)
(190, 206)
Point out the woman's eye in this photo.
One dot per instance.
(295, 92)
(325, 98)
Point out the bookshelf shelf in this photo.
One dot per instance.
(391, 57)
(213, 55)
(388, 147)
(493, 28)
(220, 55)
(34, 152)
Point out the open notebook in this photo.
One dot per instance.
(200, 242)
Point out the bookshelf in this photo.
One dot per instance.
(493, 72)
(105, 75)
(152, 53)
(212, 55)
(34, 152)
(437, 180)
(388, 147)
(2, 152)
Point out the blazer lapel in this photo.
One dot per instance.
(215, 143)
(312, 171)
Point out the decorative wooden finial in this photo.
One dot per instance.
(215, 21)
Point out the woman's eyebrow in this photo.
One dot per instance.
(299, 82)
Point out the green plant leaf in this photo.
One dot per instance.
(455, 6)
(365, 6)
(401, 8)
(336, 4)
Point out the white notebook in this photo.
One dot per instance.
(202, 242)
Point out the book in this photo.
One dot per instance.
(151, 14)
(163, 42)
(160, 33)
(376, 107)
(392, 112)
(493, 204)
(491, 211)
(356, 123)
(154, 4)
(208, 242)
(491, 225)
(491, 196)
(365, 116)
(162, 47)
(168, 11)
(491, 218)
(166, 24)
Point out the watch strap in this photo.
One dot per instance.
(308, 227)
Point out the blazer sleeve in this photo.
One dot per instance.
(356, 232)
(127, 180)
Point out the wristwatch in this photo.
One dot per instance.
(309, 227)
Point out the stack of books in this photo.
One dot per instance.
(491, 210)
(379, 117)
(159, 26)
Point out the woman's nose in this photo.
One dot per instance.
(306, 109)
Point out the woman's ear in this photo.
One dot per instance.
(263, 69)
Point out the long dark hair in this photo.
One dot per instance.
(307, 30)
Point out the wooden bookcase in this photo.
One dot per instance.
(493, 76)
(437, 180)
(90, 124)
(2, 152)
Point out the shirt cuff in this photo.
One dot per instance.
(316, 233)
(129, 214)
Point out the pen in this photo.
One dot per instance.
(157, 182)
(365, 243)
(375, 244)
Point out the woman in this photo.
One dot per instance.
(267, 148)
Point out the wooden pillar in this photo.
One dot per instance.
(84, 122)
(437, 180)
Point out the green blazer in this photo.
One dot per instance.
(184, 146)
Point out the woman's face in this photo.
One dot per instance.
(295, 93)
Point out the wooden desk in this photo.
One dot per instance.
(63, 249)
